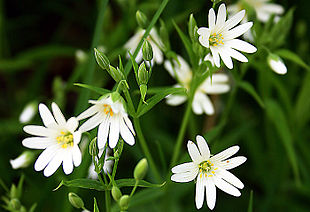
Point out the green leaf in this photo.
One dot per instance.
(98, 90)
(151, 102)
(251, 90)
(135, 66)
(83, 183)
(250, 208)
(131, 182)
(146, 195)
(278, 118)
(289, 55)
(187, 44)
(33, 207)
(96, 209)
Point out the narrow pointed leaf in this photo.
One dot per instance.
(98, 90)
(83, 183)
(131, 182)
(251, 90)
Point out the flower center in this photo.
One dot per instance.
(207, 168)
(107, 109)
(216, 39)
(65, 139)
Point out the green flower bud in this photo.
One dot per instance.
(14, 192)
(101, 59)
(140, 169)
(143, 90)
(192, 28)
(276, 64)
(116, 193)
(124, 202)
(147, 51)
(143, 76)
(142, 19)
(14, 204)
(75, 200)
(92, 148)
(23, 209)
(116, 74)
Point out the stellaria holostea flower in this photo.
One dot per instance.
(107, 166)
(59, 139)
(201, 103)
(112, 120)
(221, 36)
(153, 39)
(210, 172)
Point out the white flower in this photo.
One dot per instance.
(23, 160)
(263, 8)
(107, 166)
(210, 172)
(276, 64)
(154, 40)
(112, 120)
(58, 138)
(220, 37)
(28, 112)
(201, 103)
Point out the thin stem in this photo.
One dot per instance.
(107, 201)
(134, 188)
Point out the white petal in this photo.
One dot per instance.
(129, 124)
(214, 87)
(60, 119)
(39, 131)
(169, 68)
(233, 162)
(226, 153)
(103, 132)
(92, 122)
(38, 142)
(226, 58)
(184, 167)
(77, 137)
(67, 164)
(211, 18)
(126, 134)
(233, 21)
(237, 55)
(46, 115)
(89, 112)
(77, 156)
(210, 192)
(185, 176)
(237, 31)
(175, 100)
(72, 124)
(197, 108)
(241, 45)
(204, 36)
(221, 16)
(230, 178)
(203, 147)
(200, 193)
(158, 55)
(272, 8)
(54, 163)
(193, 152)
(45, 157)
(277, 66)
(204, 103)
(226, 187)
(215, 56)
(114, 132)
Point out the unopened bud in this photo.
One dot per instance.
(92, 148)
(23, 209)
(143, 90)
(80, 56)
(124, 202)
(116, 193)
(14, 192)
(75, 200)
(192, 28)
(116, 73)
(276, 64)
(147, 51)
(101, 59)
(140, 169)
(14, 204)
(143, 75)
(28, 112)
(142, 19)
(22, 161)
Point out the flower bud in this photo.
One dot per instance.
(116, 74)
(28, 112)
(116, 193)
(147, 51)
(142, 74)
(14, 204)
(142, 19)
(192, 28)
(22, 161)
(23, 209)
(276, 64)
(101, 59)
(92, 148)
(80, 56)
(75, 200)
(143, 90)
(14, 193)
(140, 169)
(124, 202)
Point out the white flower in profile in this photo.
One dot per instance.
(201, 102)
(112, 120)
(23, 160)
(276, 64)
(153, 39)
(210, 172)
(58, 138)
(221, 36)
(263, 8)
(107, 166)
(28, 112)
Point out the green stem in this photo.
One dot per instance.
(107, 201)
(134, 188)
(145, 149)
